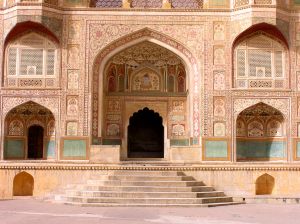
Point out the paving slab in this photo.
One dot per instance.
(30, 211)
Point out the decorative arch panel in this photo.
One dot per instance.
(143, 72)
(260, 134)
(171, 73)
(18, 121)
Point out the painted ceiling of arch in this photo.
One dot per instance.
(146, 52)
(262, 110)
(146, 66)
(30, 109)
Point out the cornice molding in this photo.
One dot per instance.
(223, 167)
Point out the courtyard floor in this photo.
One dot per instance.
(29, 211)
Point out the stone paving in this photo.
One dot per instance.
(28, 211)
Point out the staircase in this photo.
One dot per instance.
(144, 188)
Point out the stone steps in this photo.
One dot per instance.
(145, 183)
(146, 188)
(144, 178)
(145, 194)
(147, 200)
(149, 205)
(146, 173)
(143, 188)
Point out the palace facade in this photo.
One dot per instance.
(209, 87)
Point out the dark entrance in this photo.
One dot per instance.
(145, 135)
(35, 142)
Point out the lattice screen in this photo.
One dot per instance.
(50, 62)
(30, 60)
(146, 3)
(108, 3)
(12, 55)
(279, 64)
(241, 63)
(187, 3)
(260, 63)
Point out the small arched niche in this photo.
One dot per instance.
(23, 184)
(260, 134)
(264, 184)
(29, 132)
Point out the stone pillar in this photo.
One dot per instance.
(126, 4)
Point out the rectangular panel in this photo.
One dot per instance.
(112, 142)
(215, 149)
(179, 142)
(14, 149)
(74, 148)
(298, 150)
(50, 147)
(264, 150)
(218, 3)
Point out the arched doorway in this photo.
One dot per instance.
(29, 132)
(144, 74)
(35, 142)
(260, 134)
(264, 184)
(23, 184)
(145, 135)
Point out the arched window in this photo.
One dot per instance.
(260, 63)
(31, 61)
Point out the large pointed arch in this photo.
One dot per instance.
(165, 41)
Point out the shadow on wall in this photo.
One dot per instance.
(23, 184)
(264, 184)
